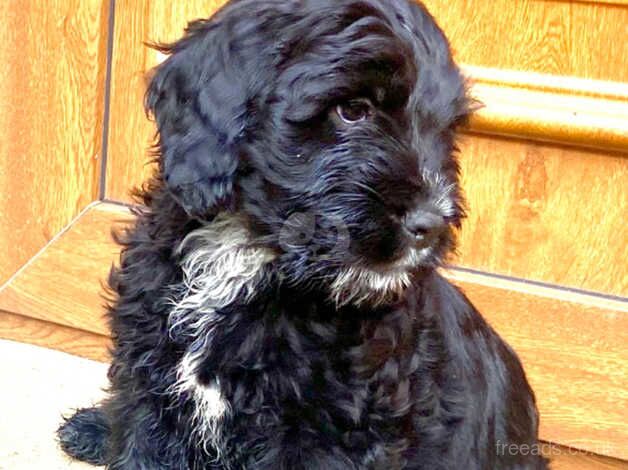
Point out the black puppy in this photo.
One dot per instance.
(277, 304)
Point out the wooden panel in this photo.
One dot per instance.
(543, 212)
(555, 37)
(51, 95)
(575, 356)
(137, 22)
(54, 336)
(562, 458)
(63, 284)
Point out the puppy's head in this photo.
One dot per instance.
(328, 124)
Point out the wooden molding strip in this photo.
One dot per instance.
(566, 110)
(52, 241)
(544, 82)
(572, 344)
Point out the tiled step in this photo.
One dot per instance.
(39, 386)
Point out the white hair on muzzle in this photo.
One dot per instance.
(357, 284)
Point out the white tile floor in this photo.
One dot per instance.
(37, 386)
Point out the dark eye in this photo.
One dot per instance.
(354, 111)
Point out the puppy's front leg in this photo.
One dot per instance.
(143, 438)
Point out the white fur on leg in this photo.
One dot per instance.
(209, 405)
(220, 265)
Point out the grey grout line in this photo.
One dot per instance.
(106, 116)
(531, 282)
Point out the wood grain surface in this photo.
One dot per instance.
(562, 458)
(602, 2)
(547, 213)
(555, 37)
(63, 284)
(51, 95)
(54, 336)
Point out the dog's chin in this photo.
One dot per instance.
(384, 283)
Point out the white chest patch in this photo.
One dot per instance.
(219, 264)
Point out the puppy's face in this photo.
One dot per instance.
(330, 125)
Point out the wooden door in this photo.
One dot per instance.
(542, 254)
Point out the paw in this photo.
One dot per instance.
(84, 436)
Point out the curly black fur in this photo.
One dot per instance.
(277, 304)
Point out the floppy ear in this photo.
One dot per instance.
(198, 98)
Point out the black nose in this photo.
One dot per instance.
(424, 226)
